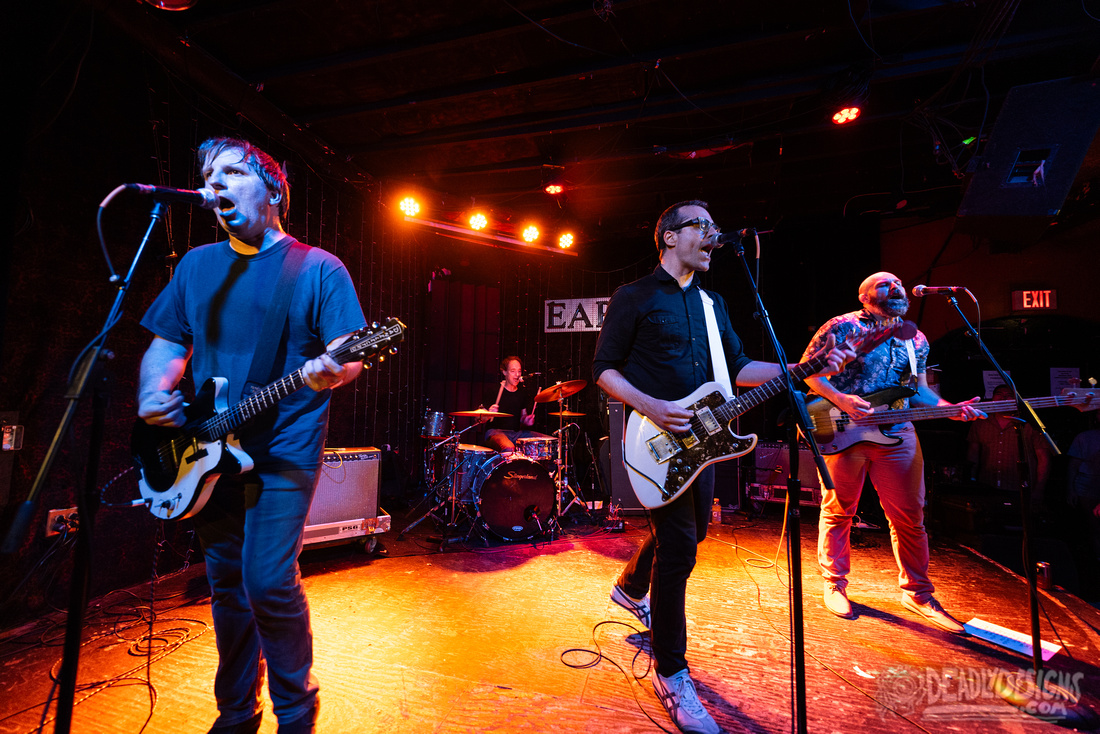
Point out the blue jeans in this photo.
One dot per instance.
(662, 565)
(502, 440)
(251, 534)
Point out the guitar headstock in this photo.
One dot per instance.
(371, 341)
(1083, 398)
(868, 339)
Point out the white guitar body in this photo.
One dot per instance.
(661, 465)
(200, 465)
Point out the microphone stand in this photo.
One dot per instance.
(1028, 694)
(801, 421)
(88, 372)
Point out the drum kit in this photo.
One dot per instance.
(511, 496)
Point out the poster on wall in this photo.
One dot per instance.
(1062, 378)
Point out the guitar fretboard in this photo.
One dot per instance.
(903, 415)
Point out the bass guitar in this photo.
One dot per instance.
(178, 467)
(834, 430)
(662, 464)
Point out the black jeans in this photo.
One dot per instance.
(662, 566)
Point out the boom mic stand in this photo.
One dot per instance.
(794, 489)
(87, 372)
(1028, 694)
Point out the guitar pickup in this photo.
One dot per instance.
(663, 447)
(710, 423)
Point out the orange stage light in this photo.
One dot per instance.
(409, 206)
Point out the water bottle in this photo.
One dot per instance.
(716, 512)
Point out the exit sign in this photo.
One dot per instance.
(1035, 300)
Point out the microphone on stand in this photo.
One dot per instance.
(726, 238)
(920, 291)
(205, 198)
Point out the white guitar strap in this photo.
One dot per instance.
(912, 360)
(717, 354)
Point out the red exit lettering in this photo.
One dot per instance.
(1035, 300)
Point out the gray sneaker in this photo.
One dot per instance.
(678, 696)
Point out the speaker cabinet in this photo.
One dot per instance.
(622, 494)
(1034, 156)
(345, 505)
(768, 480)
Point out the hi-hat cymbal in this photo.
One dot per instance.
(560, 390)
(480, 413)
(567, 414)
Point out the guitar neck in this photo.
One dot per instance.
(741, 404)
(225, 423)
(887, 417)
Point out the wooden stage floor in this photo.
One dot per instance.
(502, 637)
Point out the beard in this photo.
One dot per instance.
(891, 307)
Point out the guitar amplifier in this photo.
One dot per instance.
(622, 494)
(345, 505)
(772, 467)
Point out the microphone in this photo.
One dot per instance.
(531, 374)
(920, 291)
(205, 198)
(726, 238)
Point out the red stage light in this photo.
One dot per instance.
(846, 115)
(554, 189)
(409, 206)
(530, 233)
(565, 241)
(478, 221)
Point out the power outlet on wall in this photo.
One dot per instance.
(61, 520)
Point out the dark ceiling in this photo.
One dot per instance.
(637, 103)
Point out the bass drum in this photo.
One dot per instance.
(515, 498)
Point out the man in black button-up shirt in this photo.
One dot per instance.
(652, 350)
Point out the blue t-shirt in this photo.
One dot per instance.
(887, 365)
(217, 303)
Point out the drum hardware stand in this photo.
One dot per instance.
(444, 498)
(561, 479)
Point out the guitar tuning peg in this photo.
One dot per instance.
(1092, 382)
(393, 350)
(374, 324)
(381, 358)
(368, 365)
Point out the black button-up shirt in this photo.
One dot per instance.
(655, 334)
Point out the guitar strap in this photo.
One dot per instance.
(271, 333)
(717, 354)
(912, 361)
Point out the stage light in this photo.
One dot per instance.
(553, 179)
(846, 114)
(478, 221)
(565, 241)
(554, 189)
(409, 206)
(171, 4)
(530, 233)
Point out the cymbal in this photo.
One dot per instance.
(560, 390)
(567, 414)
(480, 413)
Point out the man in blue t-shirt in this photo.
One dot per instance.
(211, 314)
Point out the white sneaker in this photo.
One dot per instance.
(638, 607)
(677, 694)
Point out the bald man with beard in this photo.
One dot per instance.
(896, 471)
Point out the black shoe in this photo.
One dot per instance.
(303, 724)
(249, 726)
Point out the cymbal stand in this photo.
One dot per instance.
(449, 518)
(561, 475)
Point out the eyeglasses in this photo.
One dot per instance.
(704, 225)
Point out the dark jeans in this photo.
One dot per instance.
(251, 533)
(662, 566)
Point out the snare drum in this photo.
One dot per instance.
(539, 448)
(436, 425)
(468, 459)
(515, 497)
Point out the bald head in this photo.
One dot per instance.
(883, 295)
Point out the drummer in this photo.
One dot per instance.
(512, 397)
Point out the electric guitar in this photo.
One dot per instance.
(178, 467)
(834, 430)
(662, 464)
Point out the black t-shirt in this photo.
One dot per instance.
(510, 402)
